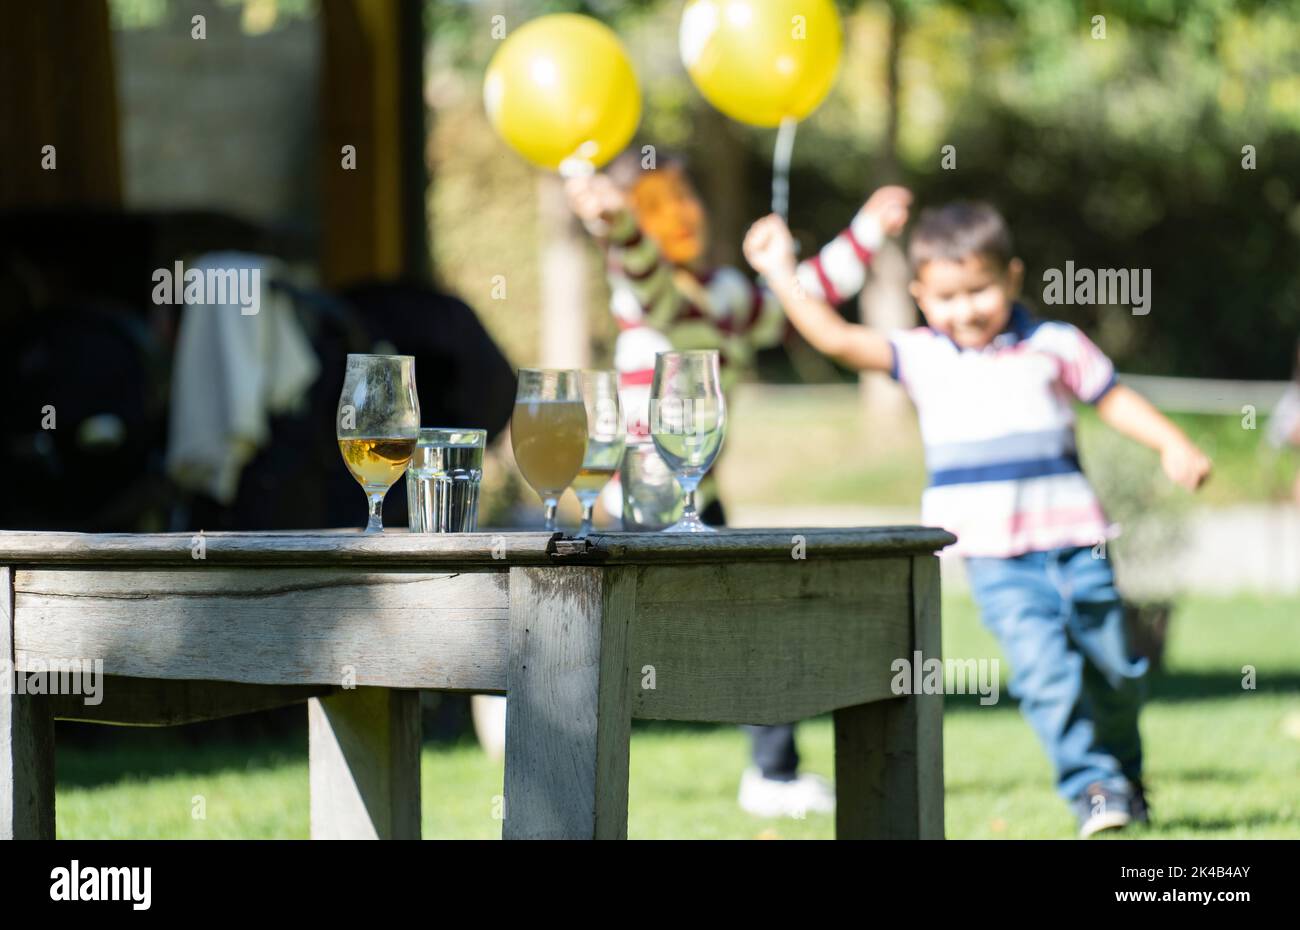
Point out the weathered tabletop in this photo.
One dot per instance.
(581, 635)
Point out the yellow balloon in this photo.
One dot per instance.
(762, 61)
(562, 87)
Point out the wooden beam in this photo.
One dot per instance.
(767, 642)
(889, 754)
(773, 545)
(323, 547)
(156, 702)
(454, 550)
(26, 745)
(274, 626)
(568, 716)
(364, 758)
(927, 709)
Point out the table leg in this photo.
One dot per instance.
(26, 767)
(568, 707)
(889, 754)
(26, 743)
(365, 764)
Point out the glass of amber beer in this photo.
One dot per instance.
(548, 431)
(378, 424)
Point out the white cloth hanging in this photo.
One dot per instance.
(232, 370)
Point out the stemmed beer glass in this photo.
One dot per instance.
(688, 417)
(378, 423)
(548, 431)
(606, 435)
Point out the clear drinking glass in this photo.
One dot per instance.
(443, 480)
(548, 431)
(606, 434)
(378, 421)
(688, 417)
(652, 498)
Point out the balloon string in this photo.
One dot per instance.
(781, 167)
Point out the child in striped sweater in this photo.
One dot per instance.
(994, 390)
(665, 295)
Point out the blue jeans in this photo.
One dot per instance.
(1061, 625)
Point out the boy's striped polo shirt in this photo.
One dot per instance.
(998, 428)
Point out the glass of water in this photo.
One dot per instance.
(688, 417)
(652, 498)
(443, 480)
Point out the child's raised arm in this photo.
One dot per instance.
(1128, 412)
(839, 270)
(769, 249)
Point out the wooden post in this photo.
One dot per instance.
(61, 53)
(373, 213)
(26, 744)
(889, 754)
(568, 710)
(365, 764)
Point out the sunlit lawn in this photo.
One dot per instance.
(1222, 761)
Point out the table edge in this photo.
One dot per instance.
(498, 549)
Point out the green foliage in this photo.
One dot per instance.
(1117, 152)
(136, 14)
(1122, 152)
(148, 14)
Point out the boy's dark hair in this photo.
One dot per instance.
(958, 230)
(626, 169)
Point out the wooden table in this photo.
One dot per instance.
(582, 636)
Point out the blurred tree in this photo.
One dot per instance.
(1115, 143)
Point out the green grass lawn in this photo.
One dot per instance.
(1221, 761)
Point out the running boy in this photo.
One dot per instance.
(994, 389)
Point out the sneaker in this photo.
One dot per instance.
(767, 797)
(1099, 808)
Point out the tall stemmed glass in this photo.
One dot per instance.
(378, 423)
(688, 417)
(606, 434)
(548, 431)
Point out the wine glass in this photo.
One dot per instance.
(378, 424)
(606, 434)
(548, 431)
(688, 417)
